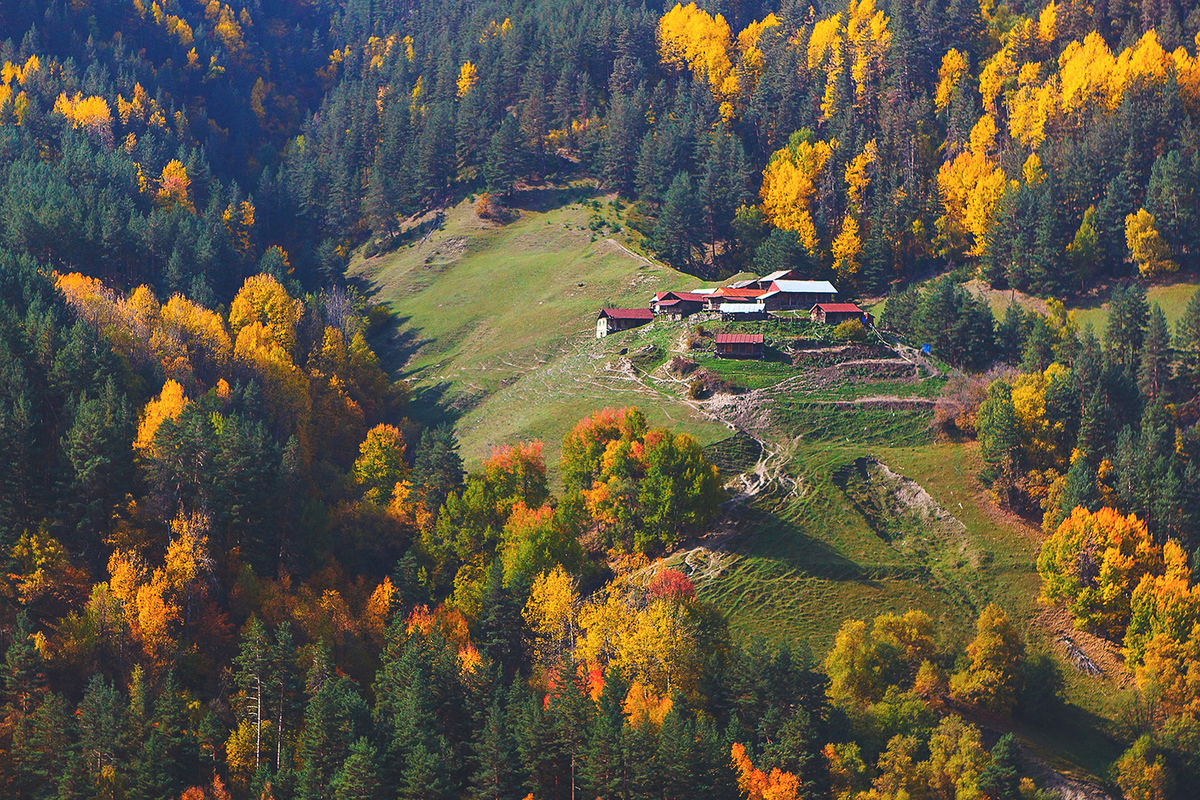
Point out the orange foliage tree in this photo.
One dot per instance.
(1093, 562)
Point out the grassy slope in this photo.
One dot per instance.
(498, 323)
(495, 324)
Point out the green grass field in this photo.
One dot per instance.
(497, 323)
(494, 328)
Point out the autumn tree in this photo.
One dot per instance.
(992, 680)
(1093, 562)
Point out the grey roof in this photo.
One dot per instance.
(811, 287)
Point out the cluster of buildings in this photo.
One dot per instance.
(749, 300)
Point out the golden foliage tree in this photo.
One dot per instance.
(1146, 245)
(992, 678)
(380, 465)
(174, 187)
(263, 299)
(790, 185)
(168, 405)
(1093, 562)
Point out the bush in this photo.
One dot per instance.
(694, 339)
(852, 331)
(707, 383)
(681, 366)
(377, 317)
(490, 208)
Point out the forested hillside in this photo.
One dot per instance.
(235, 568)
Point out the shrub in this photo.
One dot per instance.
(377, 317)
(710, 383)
(490, 208)
(694, 339)
(852, 331)
(681, 366)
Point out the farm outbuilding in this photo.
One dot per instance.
(728, 294)
(789, 294)
(740, 345)
(836, 313)
(612, 320)
(742, 311)
(677, 305)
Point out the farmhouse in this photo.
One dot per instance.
(792, 294)
(740, 345)
(835, 313)
(727, 294)
(611, 320)
(677, 305)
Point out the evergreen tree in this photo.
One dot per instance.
(357, 778)
(39, 742)
(1127, 318)
(333, 721)
(504, 157)
(1187, 346)
(678, 221)
(494, 751)
(254, 678)
(24, 681)
(605, 772)
(1154, 371)
(169, 757)
(437, 467)
(1000, 778)
(100, 724)
(501, 625)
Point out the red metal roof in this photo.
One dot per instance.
(739, 338)
(695, 298)
(839, 308)
(627, 313)
(731, 292)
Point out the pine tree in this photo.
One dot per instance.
(333, 721)
(678, 220)
(494, 752)
(285, 686)
(501, 626)
(505, 158)
(100, 724)
(569, 713)
(437, 467)
(358, 777)
(604, 774)
(1154, 371)
(170, 755)
(39, 742)
(1187, 346)
(24, 681)
(1127, 318)
(1000, 779)
(254, 678)
(1095, 437)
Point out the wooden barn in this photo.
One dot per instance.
(727, 294)
(836, 313)
(677, 305)
(742, 312)
(611, 320)
(789, 294)
(740, 345)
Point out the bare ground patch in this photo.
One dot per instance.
(1085, 651)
